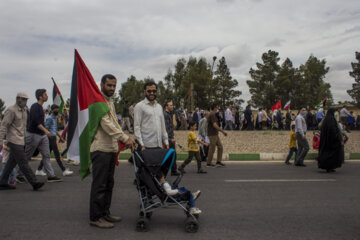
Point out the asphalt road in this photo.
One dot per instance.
(259, 200)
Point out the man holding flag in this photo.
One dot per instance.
(103, 156)
(93, 135)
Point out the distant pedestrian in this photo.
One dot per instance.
(264, 119)
(126, 117)
(303, 145)
(168, 109)
(344, 113)
(51, 125)
(213, 133)
(229, 118)
(204, 149)
(237, 119)
(288, 119)
(292, 145)
(249, 118)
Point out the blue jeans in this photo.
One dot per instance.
(12, 174)
(292, 150)
(191, 200)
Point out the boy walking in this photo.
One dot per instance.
(194, 149)
(51, 125)
(292, 145)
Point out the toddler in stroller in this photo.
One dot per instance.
(180, 193)
(151, 167)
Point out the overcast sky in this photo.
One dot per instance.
(146, 38)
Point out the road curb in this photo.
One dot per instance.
(246, 156)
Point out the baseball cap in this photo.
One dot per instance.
(22, 95)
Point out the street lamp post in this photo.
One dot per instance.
(212, 95)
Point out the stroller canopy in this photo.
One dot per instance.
(156, 159)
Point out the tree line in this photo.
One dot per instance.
(304, 86)
(195, 83)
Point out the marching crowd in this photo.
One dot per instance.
(26, 131)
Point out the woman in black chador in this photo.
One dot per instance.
(331, 149)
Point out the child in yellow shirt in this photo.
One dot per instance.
(292, 145)
(194, 149)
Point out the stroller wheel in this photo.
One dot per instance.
(191, 225)
(148, 214)
(142, 225)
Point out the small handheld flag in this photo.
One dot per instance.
(57, 97)
(287, 105)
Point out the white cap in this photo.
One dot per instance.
(22, 95)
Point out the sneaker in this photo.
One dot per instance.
(40, 173)
(20, 180)
(220, 164)
(111, 218)
(54, 179)
(37, 185)
(196, 194)
(201, 171)
(195, 211)
(101, 223)
(7, 187)
(210, 165)
(67, 172)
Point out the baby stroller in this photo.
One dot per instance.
(147, 164)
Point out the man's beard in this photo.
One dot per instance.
(148, 97)
(108, 94)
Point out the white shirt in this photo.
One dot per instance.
(300, 125)
(259, 116)
(169, 191)
(149, 124)
(228, 115)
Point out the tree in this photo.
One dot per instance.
(355, 91)
(2, 108)
(262, 88)
(284, 83)
(226, 93)
(313, 86)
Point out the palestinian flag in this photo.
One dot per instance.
(87, 107)
(276, 106)
(287, 105)
(57, 97)
(322, 103)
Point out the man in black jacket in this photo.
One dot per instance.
(168, 108)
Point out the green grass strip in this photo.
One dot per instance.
(244, 156)
(354, 155)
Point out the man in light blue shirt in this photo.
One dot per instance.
(320, 115)
(51, 125)
(303, 145)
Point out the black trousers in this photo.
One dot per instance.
(103, 167)
(174, 166)
(190, 157)
(17, 157)
(53, 147)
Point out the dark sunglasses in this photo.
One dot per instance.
(151, 91)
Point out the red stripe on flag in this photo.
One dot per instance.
(85, 80)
